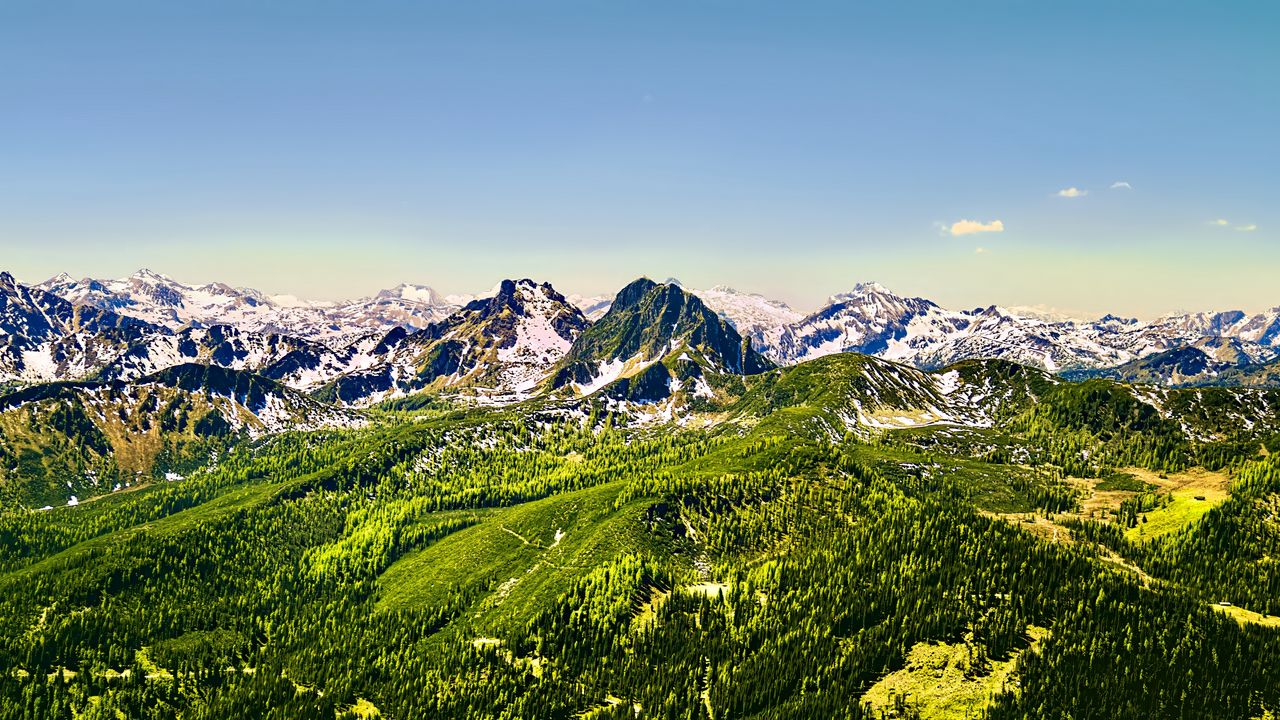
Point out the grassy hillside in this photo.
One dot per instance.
(79, 440)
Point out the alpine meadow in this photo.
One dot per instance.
(1017, 481)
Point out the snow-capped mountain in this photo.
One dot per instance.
(1043, 312)
(160, 300)
(498, 348)
(44, 338)
(219, 345)
(500, 345)
(865, 320)
(163, 301)
(916, 331)
(1207, 361)
(412, 307)
(754, 316)
(311, 367)
(1262, 328)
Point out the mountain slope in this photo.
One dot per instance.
(60, 441)
(754, 316)
(862, 393)
(43, 337)
(1258, 375)
(219, 345)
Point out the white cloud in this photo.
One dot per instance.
(979, 251)
(969, 227)
(1223, 222)
(1072, 192)
(1121, 185)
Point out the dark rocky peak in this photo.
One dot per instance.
(633, 292)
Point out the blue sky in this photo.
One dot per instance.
(331, 148)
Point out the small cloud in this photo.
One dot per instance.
(1223, 222)
(979, 251)
(969, 227)
(1072, 192)
(1121, 185)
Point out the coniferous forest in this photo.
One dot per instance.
(1079, 557)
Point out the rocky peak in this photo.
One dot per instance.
(633, 292)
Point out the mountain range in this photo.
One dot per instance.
(523, 338)
(163, 301)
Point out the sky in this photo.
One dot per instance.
(1090, 157)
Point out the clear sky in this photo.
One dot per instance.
(328, 148)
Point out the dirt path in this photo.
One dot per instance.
(521, 538)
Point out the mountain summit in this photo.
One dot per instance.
(502, 346)
(655, 337)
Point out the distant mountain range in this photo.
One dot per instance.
(524, 338)
(163, 301)
(916, 331)
(1211, 360)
